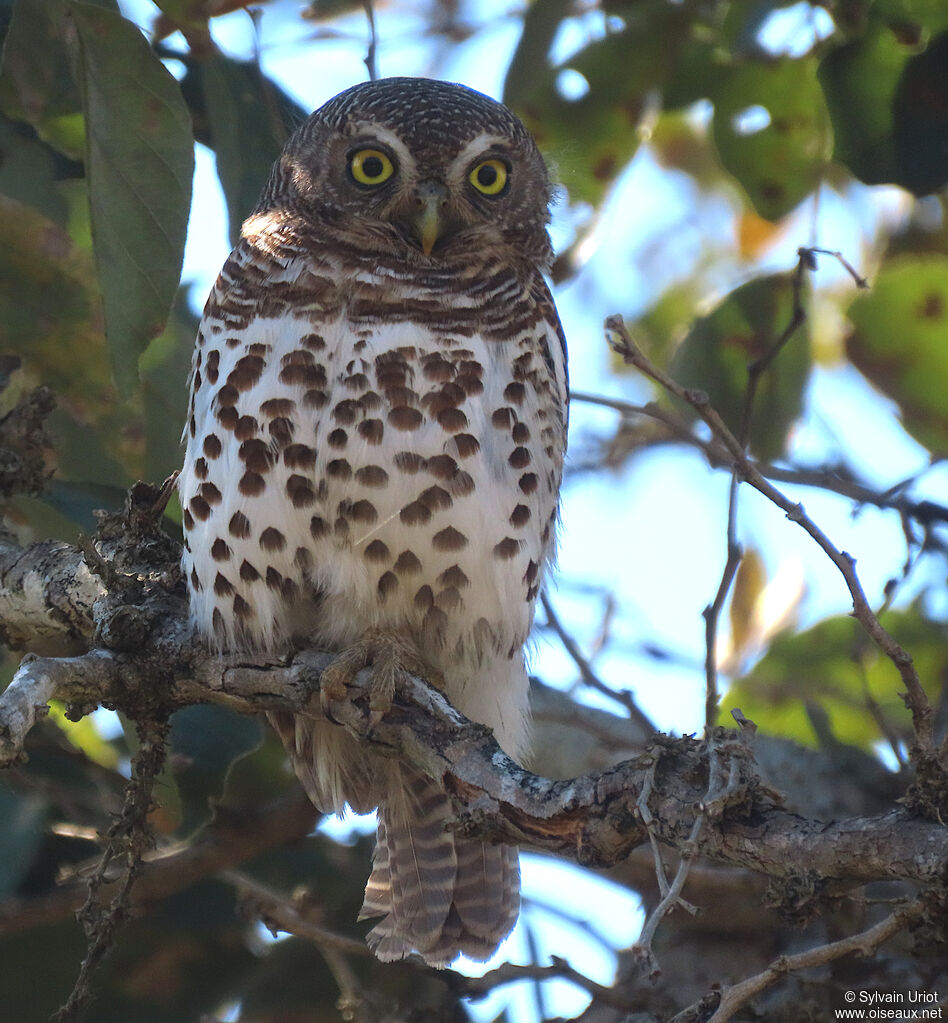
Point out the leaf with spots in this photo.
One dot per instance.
(888, 108)
(834, 666)
(591, 136)
(898, 341)
(139, 161)
(771, 131)
(715, 355)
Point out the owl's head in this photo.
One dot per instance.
(417, 165)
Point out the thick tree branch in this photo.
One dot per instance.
(592, 819)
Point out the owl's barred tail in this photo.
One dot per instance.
(438, 894)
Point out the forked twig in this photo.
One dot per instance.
(915, 698)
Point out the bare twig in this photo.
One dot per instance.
(865, 943)
(559, 969)
(915, 697)
(589, 676)
(371, 56)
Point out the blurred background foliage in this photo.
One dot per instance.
(98, 121)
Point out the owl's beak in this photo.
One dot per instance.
(429, 222)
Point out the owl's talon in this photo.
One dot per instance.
(389, 657)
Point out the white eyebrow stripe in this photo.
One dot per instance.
(477, 146)
(370, 130)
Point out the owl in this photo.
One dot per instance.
(374, 452)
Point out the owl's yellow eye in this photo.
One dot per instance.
(489, 177)
(370, 167)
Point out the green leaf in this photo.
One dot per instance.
(24, 825)
(139, 160)
(249, 119)
(887, 105)
(205, 744)
(590, 139)
(770, 131)
(899, 340)
(836, 666)
(36, 84)
(715, 355)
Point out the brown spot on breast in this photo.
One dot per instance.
(370, 400)
(503, 418)
(212, 368)
(200, 508)
(241, 608)
(281, 431)
(466, 445)
(452, 419)
(210, 493)
(357, 382)
(436, 368)
(274, 407)
(299, 456)
(223, 586)
(453, 576)
(227, 396)
(303, 559)
(520, 516)
(315, 398)
(449, 539)
(449, 599)
(219, 550)
(200, 469)
(435, 498)
(300, 491)
(245, 428)
(188, 519)
(409, 462)
(528, 482)
(272, 539)
(212, 445)
(314, 342)
(338, 438)
(407, 564)
(376, 551)
(471, 385)
(520, 433)
(371, 476)
(256, 455)
(347, 411)
(227, 417)
(434, 625)
(371, 431)
(318, 527)
(415, 514)
(239, 525)
(248, 573)
(442, 466)
(363, 511)
(274, 579)
(531, 573)
(424, 598)
(461, 484)
(519, 458)
(388, 583)
(339, 469)
(507, 548)
(515, 393)
(405, 418)
(246, 372)
(195, 581)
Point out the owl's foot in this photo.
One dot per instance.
(388, 655)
